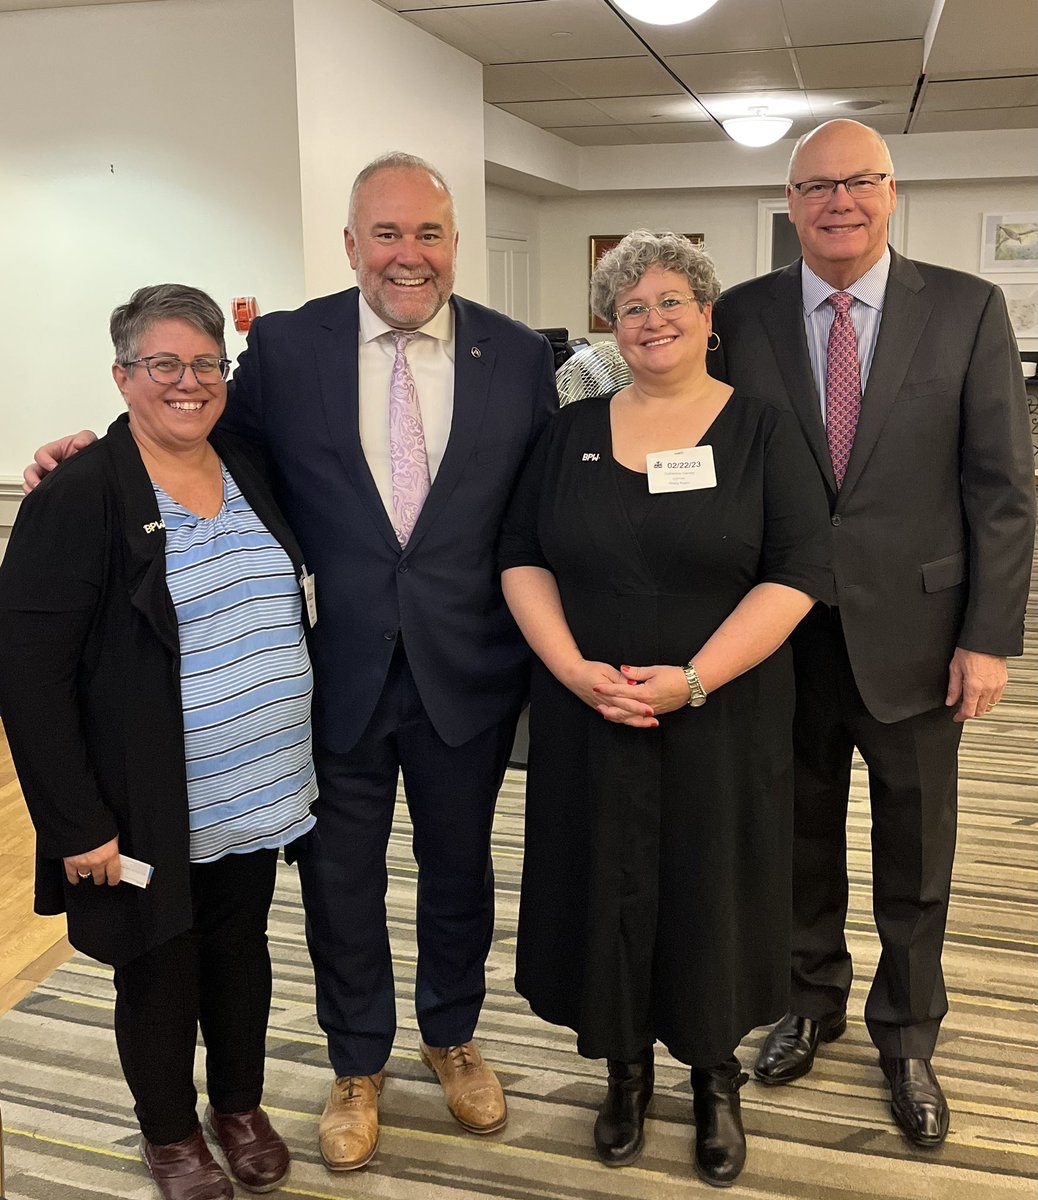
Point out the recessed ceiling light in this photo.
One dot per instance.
(664, 12)
(858, 105)
(560, 33)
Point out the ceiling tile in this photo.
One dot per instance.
(649, 109)
(635, 76)
(548, 113)
(640, 76)
(505, 83)
(976, 39)
(823, 23)
(748, 70)
(634, 135)
(779, 103)
(408, 6)
(983, 118)
(840, 102)
(968, 94)
(595, 135)
(531, 30)
(885, 124)
(730, 25)
(862, 64)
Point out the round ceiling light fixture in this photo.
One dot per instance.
(664, 12)
(758, 129)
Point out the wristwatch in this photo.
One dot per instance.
(696, 693)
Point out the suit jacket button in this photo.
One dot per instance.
(404, 568)
(390, 635)
(836, 519)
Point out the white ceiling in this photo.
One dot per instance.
(581, 70)
(585, 72)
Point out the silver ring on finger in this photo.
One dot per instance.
(83, 875)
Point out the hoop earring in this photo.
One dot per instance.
(717, 341)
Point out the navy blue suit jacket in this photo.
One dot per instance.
(296, 392)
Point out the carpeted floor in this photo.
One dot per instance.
(70, 1135)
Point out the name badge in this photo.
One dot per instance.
(681, 470)
(306, 582)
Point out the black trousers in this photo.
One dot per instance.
(451, 794)
(913, 773)
(217, 976)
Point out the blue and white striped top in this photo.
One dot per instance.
(245, 679)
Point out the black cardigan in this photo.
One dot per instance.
(90, 686)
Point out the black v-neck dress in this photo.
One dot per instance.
(656, 884)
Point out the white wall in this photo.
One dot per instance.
(140, 143)
(369, 82)
(943, 223)
(944, 219)
(727, 218)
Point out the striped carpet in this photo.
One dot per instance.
(70, 1134)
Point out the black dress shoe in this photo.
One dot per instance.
(720, 1140)
(620, 1126)
(916, 1100)
(789, 1050)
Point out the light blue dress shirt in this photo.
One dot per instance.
(865, 313)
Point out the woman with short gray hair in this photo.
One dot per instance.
(661, 546)
(151, 592)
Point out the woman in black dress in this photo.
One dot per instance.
(679, 524)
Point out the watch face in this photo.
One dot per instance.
(697, 701)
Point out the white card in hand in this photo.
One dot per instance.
(134, 871)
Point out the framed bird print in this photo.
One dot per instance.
(1009, 242)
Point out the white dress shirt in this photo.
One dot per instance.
(431, 359)
(865, 313)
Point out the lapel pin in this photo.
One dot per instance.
(475, 352)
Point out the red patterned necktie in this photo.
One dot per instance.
(842, 385)
(410, 461)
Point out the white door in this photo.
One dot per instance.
(508, 277)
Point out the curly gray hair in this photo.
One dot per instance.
(163, 302)
(623, 267)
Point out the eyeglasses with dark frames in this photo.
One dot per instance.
(859, 187)
(169, 370)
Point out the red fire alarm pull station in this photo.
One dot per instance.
(244, 309)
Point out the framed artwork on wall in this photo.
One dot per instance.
(599, 244)
(1008, 242)
(1022, 302)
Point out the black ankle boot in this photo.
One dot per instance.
(619, 1129)
(720, 1140)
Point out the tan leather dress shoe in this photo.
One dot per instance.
(349, 1123)
(473, 1093)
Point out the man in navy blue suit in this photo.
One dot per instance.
(418, 666)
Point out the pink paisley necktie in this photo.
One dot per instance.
(842, 385)
(407, 451)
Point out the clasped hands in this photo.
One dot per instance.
(634, 696)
